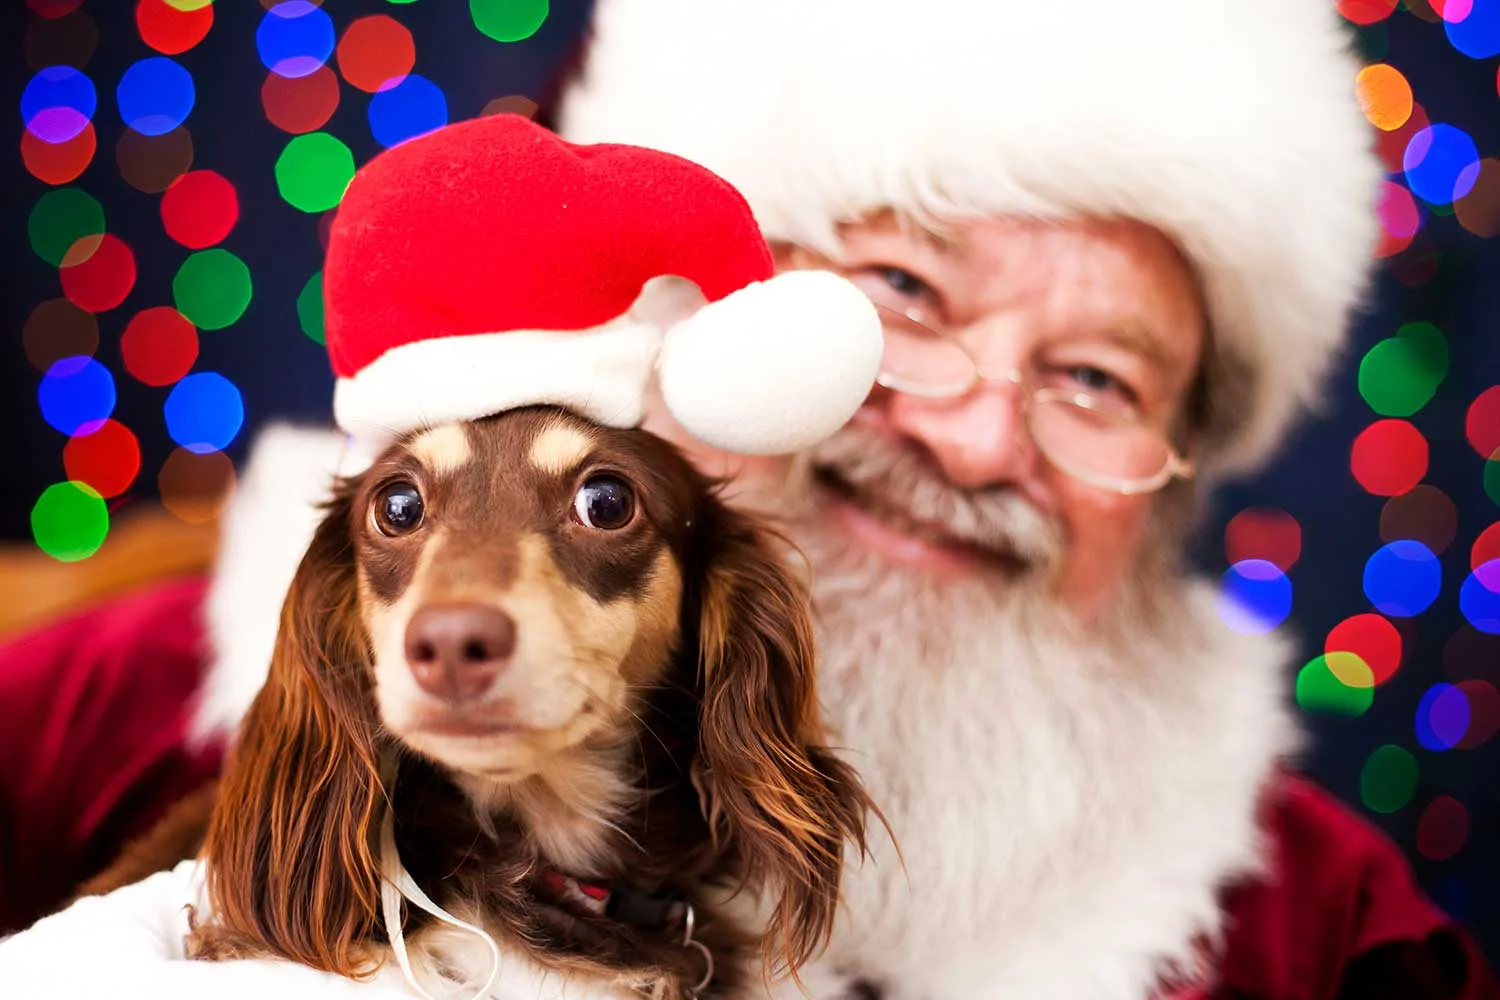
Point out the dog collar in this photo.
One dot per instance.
(662, 910)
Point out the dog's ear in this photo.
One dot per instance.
(773, 793)
(291, 869)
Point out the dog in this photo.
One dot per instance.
(537, 677)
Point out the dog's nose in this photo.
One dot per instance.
(456, 651)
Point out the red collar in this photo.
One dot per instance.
(662, 910)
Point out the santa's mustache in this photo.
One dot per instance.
(897, 484)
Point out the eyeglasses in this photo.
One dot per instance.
(1095, 440)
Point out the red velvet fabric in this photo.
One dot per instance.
(497, 224)
(92, 717)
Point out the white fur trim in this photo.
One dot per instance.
(601, 374)
(263, 535)
(1232, 126)
(774, 367)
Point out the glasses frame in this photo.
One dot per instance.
(1176, 466)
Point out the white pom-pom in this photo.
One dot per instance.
(774, 367)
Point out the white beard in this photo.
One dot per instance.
(1067, 802)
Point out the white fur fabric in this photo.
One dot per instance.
(1231, 125)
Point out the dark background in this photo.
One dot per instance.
(1447, 276)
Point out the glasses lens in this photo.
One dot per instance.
(920, 362)
(1098, 443)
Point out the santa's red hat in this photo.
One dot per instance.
(491, 264)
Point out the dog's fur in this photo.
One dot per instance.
(655, 728)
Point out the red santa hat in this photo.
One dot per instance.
(1230, 125)
(491, 265)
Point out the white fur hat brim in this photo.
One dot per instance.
(1232, 126)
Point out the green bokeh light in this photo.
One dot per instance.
(310, 308)
(313, 171)
(1400, 374)
(212, 289)
(69, 521)
(60, 219)
(1492, 477)
(508, 20)
(1388, 780)
(1319, 690)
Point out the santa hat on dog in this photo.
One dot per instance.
(490, 265)
(1230, 125)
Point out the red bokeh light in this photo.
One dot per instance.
(98, 272)
(1272, 535)
(108, 459)
(159, 345)
(303, 104)
(1443, 829)
(1486, 547)
(58, 162)
(1392, 145)
(1373, 639)
(1389, 457)
(169, 30)
(376, 52)
(199, 209)
(1399, 219)
(1483, 423)
(1484, 712)
(53, 8)
(1366, 11)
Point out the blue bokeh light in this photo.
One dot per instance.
(76, 394)
(57, 103)
(1442, 717)
(1437, 161)
(294, 38)
(1479, 598)
(1255, 596)
(411, 108)
(204, 412)
(155, 95)
(1478, 34)
(1403, 578)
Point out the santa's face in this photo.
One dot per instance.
(954, 492)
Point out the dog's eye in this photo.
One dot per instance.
(604, 502)
(398, 509)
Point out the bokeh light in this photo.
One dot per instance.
(1388, 779)
(150, 163)
(1475, 33)
(1470, 654)
(1443, 829)
(57, 103)
(1261, 533)
(76, 393)
(107, 458)
(1435, 160)
(58, 329)
(69, 521)
(1482, 423)
(204, 412)
(510, 104)
(1484, 712)
(1479, 597)
(1391, 146)
(300, 104)
(195, 487)
(310, 309)
(413, 107)
(509, 20)
(60, 219)
(1491, 477)
(1479, 210)
(58, 162)
(294, 38)
(199, 209)
(1389, 457)
(1402, 578)
(155, 95)
(53, 8)
(1400, 375)
(313, 171)
(1486, 547)
(212, 289)
(1366, 12)
(1442, 717)
(1371, 638)
(98, 272)
(1400, 219)
(1384, 96)
(375, 52)
(69, 40)
(1425, 514)
(159, 346)
(170, 28)
(1255, 596)
(1321, 691)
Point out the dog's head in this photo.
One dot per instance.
(504, 597)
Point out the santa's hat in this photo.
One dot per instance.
(1231, 125)
(490, 265)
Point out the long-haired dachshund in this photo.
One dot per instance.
(540, 669)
